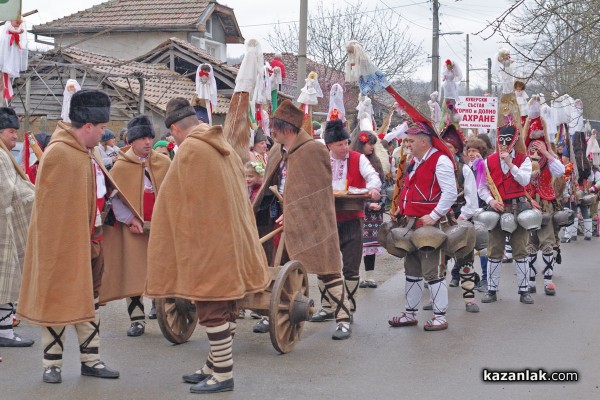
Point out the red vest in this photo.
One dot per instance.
(422, 192)
(506, 184)
(542, 185)
(149, 200)
(355, 179)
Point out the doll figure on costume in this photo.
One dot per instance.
(522, 99)
(276, 82)
(71, 88)
(451, 76)
(311, 90)
(360, 69)
(501, 66)
(206, 89)
(13, 53)
(434, 108)
(337, 110)
(547, 117)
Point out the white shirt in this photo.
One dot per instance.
(521, 174)
(556, 167)
(470, 193)
(444, 173)
(122, 213)
(339, 172)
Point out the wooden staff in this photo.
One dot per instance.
(492, 186)
(33, 143)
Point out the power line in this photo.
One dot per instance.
(337, 16)
(406, 19)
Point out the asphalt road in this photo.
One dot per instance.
(377, 362)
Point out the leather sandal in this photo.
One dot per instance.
(397, 322)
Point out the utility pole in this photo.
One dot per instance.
(435, 50)
(302, 33)
(490, 76)
(467, 62)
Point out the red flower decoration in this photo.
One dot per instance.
(170, 146)
(363, 137)
(448, 62)
(203, 73)
(381, 136)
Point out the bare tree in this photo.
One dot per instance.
(556, 43)
(382, 32)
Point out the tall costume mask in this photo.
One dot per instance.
(507, 138)
(535, 155)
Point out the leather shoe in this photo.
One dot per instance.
(322, 315)
(136, 329)
(428, 306)
(489, 298)
(195, 377)
(52, 375)
(342, 331)
(550, 289)
(526, 298)
(472, 307)
(261, 326)
(453, 283)
(211, 385)
(16, 341)
(105, 372)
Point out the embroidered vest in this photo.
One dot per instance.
(422, 191)
(355, 179)
(507, 186)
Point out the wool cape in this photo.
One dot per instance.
(16, 202)
(125, 252)
(57, 287)
(309, 225)
(204, 242)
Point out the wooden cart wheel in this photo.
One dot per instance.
(177, 319)
(290, 306)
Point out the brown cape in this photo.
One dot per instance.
(57, 286)
(124, 252)
(203, 242)
(309, 208)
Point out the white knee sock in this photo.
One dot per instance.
(413, 290)
(522, 267)
(493, 274)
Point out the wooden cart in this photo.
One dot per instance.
(285, 302)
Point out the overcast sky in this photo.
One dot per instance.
(257, 17)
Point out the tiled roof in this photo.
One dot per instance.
(132, 15)
(201, 55)
(161, 84)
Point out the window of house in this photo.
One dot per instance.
(208, 28)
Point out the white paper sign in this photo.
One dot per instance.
(478, 112)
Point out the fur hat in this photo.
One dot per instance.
(139, 127)
(8, 118)
(90, 105)
(178, 108)
(107, 135)
(335, 132)
(453, 136)
(289, 113)
(259, 136)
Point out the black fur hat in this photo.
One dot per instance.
(90, 105)
(178, 108)
(8, 118)
(139, 127)
(335, 131)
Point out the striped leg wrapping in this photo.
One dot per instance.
(467, 282)
(351, 285)
(135, 309)
(325, 302)
(88, 335)
(532, 270)
(52, 342)
(221, 341)
(337, 295)
(6, 326)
